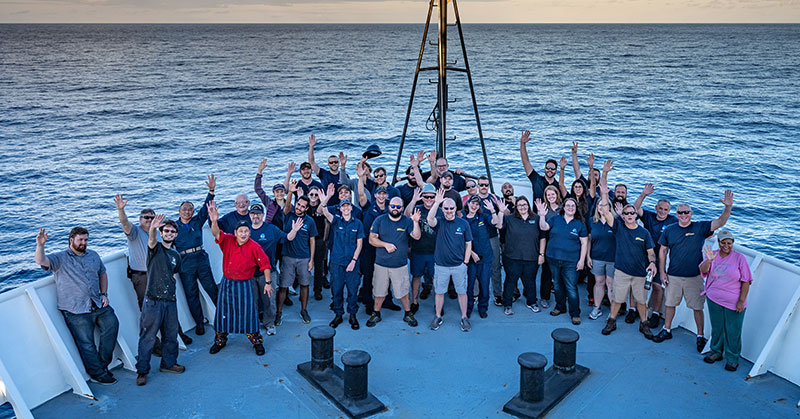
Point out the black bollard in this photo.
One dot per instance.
(565, 348)
(531, 376)
(321, 348)
(355, 374)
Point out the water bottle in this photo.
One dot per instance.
(648, 280)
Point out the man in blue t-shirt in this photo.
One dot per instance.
(452, 253)
(683, 242)
(655, 223)
(389, 235)
(326, 176)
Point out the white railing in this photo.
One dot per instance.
(39, 360)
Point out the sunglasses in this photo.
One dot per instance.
(682, 212)
(147, 217)
(428, 197)
(470, 186)
(549, 168)
(395, 206)
(333, 162)
(448, 208)
(483, 185)
(628, 212)
(380, 175)
(313, 194)
(170, 231)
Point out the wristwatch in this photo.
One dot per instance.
(104, 294)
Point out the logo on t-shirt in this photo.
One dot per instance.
(688, 234)
(574, 232)
(639, 238)
(458, 230)
(401, 229)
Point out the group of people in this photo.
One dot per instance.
(439, 231)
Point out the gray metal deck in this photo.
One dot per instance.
(446, 373)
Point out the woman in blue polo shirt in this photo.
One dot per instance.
(566, 254)
(602, 250)
(480, 263)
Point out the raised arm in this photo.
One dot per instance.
(362, 175)
(322, 208)
(523, 152)
(265, 199)
(561, 185)
(497, 219)
(123, 217)
(211, 183)
(213, 217)
(434, 173)
(312, 141)
(410, 207)
(416, 233)
(344, 179)
(287, 207)
(432, 212)
(541, 209)
(646, 191)
(289, 170)
(152, 237)
(576, 165)
(606, 210)
(592, 180)
(726, 213)
(40, 258)
(415, 170)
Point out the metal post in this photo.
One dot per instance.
(565, 348)
(356, 386)
(321, 348)
(440, 147)
(531, 376)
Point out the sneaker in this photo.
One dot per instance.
(326, 284)
(216, 347)
(337, 320)
(141, 379)
(259, 348)
(596, 313)
(645, 330)
(271, 330)
(483, 314)
(278, 320)
(498, 301)
(354, 322)
(731, 367)
(374, 319)
(556, 312)
(105, 380)
(292, 291)
(631, 316)
(288, 302)
(175, 369)
(414, 308)
(426, 292)
(318, 296)
(611, 325)
(186, 339)
(662, 336)
(533, 307)
(437, 321)
(653, 321)
(409, 318)
(701, 344)
(304, 315)
(465, 325)
(200, 330)
(508, 312)
(576, 321)
(544, 303)
(712, 357)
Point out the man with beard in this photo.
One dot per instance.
(321, 245)
(381, 180)
(538, 182)
(389, 235)
(453, 250)
(494, 235)
(414, 180)
(298, 255)
(81, 286)
(236, 305)
(446, 180)
(194, 260)
(326, 176)
(160, 310)
(229, 221)
(305, 183)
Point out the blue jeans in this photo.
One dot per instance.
(483, 272)
(339, 279)
(95, 360)
(158, 315)
(194, 267)
(565, 283)
(516, 269)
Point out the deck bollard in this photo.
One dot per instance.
(565, 348)
(531, 376)
(355, 374)
(321, 348)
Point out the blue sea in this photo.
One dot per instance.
(88, 111)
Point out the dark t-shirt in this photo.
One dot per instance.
(305, 188)
(268, 236)
(480, 225)
(356, 212)
(162, 265)
(298, 248)
(522, 238)
(538, 183)
(632, 245)
(685, 247)
(564, 242)
(344, 236)
(451, 241)
(395, 232)
(228, 222)
(455, 196)
(604, 242)
(427, 239)
(319, 221)
(656, 227)
(326, 177)
(459, 183)
(406, 193)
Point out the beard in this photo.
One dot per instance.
(507, 194)
(80, 247)
(167, 241)
(394, 213)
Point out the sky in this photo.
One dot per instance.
(397, 11)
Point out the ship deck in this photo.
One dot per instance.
(444, 373)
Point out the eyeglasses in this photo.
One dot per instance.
(682, 212)
(549, 168)
(448, 208)
(470, 186)
(147, 217)
(628, 212)
(441, 165)
(170, 231)
(395, 206)
(313, 194)
(483, 185)
(428, 197)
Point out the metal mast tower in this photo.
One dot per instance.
(439, 113)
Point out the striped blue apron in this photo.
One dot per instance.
(236, 309)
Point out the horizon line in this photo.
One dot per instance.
(397, 23)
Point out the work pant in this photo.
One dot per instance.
(81, 326)
(565, 282)
(340, 279)
(367, 269)
(158, 315)
(497, 280)
(726, 331)
(265, 303)
(194, 267)
(546, 281)
(139, 282)
(516, 269)
(482, 272)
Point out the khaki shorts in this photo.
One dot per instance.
(624, 283)
(688, 288)
(383, 276)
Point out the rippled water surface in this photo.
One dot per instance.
(148, 110)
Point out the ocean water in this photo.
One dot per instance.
(87, 111)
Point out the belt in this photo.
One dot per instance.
(191, 250)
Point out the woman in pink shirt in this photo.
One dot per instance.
(728, 279)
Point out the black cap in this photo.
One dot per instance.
(257, 208)
(372, 151)
(242, 223)
(305, 165)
